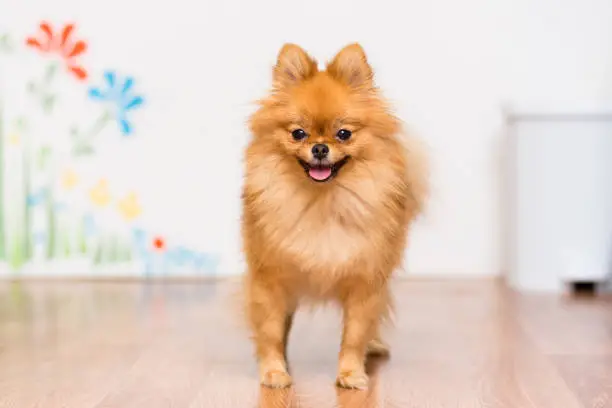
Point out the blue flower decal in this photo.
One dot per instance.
(36, 198)
(200, 261)
(61, 207)
(39, 238)
(120, 94)
(89, 225)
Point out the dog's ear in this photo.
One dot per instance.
(292, 66)
(351, 66)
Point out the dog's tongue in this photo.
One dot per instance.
(320, 173)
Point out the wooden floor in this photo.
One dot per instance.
(134, 345)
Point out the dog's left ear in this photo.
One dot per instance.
(351, 66)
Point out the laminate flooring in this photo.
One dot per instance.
(152, 345)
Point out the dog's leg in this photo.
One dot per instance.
(363, 308)
(288, 325)
(377, 347)
(268, 310)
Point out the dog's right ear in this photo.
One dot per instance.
(292, 66)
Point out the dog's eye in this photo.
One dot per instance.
(344, 134)
(299, 134)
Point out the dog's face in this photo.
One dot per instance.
(323, 121)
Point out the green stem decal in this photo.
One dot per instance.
(6, 45)
(83, 142)
(16, 258)
(51, 226)
(27, 191)
(42, 89)
(112, 250)
(66, 245)
(126, 252)
(98, 254)
(81, 238)
(2, 236)
(43, 157)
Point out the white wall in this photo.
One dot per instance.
(447, 65)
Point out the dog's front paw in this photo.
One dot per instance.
(276, 379)
(356, 379)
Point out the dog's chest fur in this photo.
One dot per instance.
(330, 230)
(332, 233)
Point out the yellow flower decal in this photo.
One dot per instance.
(14, 139)
(129, 207)
(69, 179)
(99, 195)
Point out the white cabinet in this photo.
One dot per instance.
(560, 199)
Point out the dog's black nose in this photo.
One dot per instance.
(320, 151)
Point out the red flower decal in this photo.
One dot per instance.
(61, 44)
(159, 244)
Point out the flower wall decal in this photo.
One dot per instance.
(60, 216)
(159, 243)
(159, 256)
(14, 139)
(99, 195)
(119, 94)
(62, 44)
(69, 179)
(37, 197)
(129, 207)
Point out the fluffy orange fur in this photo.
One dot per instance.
(337, 240)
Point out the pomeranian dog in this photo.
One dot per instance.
(330, 190)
